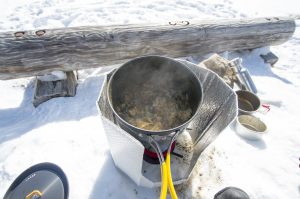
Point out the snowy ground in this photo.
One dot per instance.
(67, 131)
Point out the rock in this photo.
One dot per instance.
(220, 66)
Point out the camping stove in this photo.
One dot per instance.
(133, 156)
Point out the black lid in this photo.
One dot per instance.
(44, 180)
(231, 193)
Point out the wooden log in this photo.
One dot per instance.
(29, 53)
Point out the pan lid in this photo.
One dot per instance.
(41, 181)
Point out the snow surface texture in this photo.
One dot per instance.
(67, 131)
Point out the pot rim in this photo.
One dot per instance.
(160, 132)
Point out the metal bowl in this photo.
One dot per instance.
(248, 102)
(250, 127)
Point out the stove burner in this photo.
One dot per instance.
(152, 158)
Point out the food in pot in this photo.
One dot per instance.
(152, 107)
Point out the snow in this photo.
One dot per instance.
(68, 132)
(53, 76)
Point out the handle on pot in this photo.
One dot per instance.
(264, 108)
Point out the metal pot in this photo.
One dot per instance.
(166, 71)
(248, 102)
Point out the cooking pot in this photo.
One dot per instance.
(165, 73)
(249, 103)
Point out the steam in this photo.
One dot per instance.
(155, 93)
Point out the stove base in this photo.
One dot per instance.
(217, 111)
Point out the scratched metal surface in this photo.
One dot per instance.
(218, 109)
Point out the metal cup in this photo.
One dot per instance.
(250, 127)
(248, 102)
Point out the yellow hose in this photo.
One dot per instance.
(164, 181)
(169, 176)
(35, 193)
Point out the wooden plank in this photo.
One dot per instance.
(269, 58)
(46, 90)
(29, 53)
